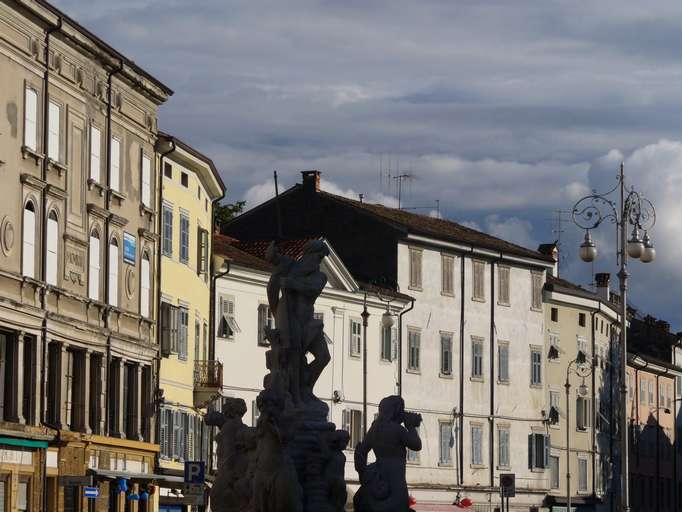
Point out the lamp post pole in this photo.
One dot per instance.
(629, 209)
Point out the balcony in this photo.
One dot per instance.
(208, 381)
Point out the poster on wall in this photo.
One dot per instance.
(129, 248)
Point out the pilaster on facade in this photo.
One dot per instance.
(87, 389)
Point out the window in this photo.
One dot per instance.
(582, 475)
(477, 358)
(538, 451)
(265, 321)
(669, 394)
(352, 423)
(197, 337)
(115, 165)
(503, 284)
(169, 328)
(202, 251)
(183, 327)
(582, 345)
(415, 268)
(53, 136)
(555, 314)
(503, 447)
(23, 500)
(554, 398)
(446, 441)
(52, 249)
(477, 445)
(651, 393)
(661, 394)
(145, 285)
(447, 263)
(93, 267)
(535, 367)
(536, 283)
(413, 347)
(184, 238)
(388, 343)
(146, 181)
(355, 337)
(113, 272)
(168, 170)
(227, 327)
(95, 153)
(31, 119)
(167, 231)
(503, 363)
(478, 280)
(28, 241)
(582, 319)
(184, 179)
(446, 354)
(553, 472)
(582, 413)
(642, 392)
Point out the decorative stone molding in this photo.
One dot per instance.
(56, 192)
(97, 211)
(7, 236)
(33, 182)
(147, 235)
(117, 220)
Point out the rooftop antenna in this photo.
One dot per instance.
(558, 218)
(362, 196)
(399, 182)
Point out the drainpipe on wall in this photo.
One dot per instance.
(491, 420)
(400, 347)
(209, 269)
(110, 74)
(159, 253)
(461, 368)
(595, 413)
(43, 256)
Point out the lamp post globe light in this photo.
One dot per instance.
(625, 208)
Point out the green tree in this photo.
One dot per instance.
(226, 212)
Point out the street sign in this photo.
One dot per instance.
(91, 492)
(508, 485)
(194, 472)
(74, 480)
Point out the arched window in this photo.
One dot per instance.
(145, 285)
(93, 266)
(52, 249)
(28, 255)
(113, 272)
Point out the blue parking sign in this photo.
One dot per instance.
(194, 472)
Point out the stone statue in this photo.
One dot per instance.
(298, 463)
(382, 484)
(235, 452)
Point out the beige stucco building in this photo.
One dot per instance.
(78, 244)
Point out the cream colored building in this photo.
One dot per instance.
(78, 243)
(189, 377)
(580, 320)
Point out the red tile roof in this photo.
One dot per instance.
(292, 248)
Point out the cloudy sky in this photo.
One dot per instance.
(503, 112)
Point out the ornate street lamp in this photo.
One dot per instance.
(630, 209)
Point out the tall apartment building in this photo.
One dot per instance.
(189, 377)
(578, 320)
(79, 244)
(472, 350)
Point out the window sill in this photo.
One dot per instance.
(412, 462)
(445, 465)
(476, 379)
(503, 382)
(263, 344)
(582, 430)
(537, 310)
(503, 468)
(414, 371)
(415, 288)
(27, 152)
(354, 356)
(537, 470)
(59, 167)
(447, 294)
(505, 304)
(445, 375)
(478, 466)
(92, 183)
(478, 299)
(385, 361)
(536, 386)
(146, 210)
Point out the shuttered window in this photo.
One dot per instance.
(28, 248)
(113, 272)
(536, 285)
(445, 438)
(535, 367)
(413, 349)
(387, 341)
(538, 451)
(478, 280)
(30, 120)
(477, 445)
(503, 284)
(265, 321)
(227, 324)
(447, 263)
(93, 266)
(184, 238)
(553, 472)
(197, 338)
(53, 136)
(446, 354)
(183, 325)
(145, 285)
(68, 377)
(115, 165)
(582, 411)
(477, 358)
(415, 268)
(146, 181)
(52, 249)
(503, 447)
(582, 475)
(352, 423)
(503, 363)
(355, 338)
(202, 251)
(167, 231)
(95, 154)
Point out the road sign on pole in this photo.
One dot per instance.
(508, 485)
(195, 472)
(91, 492)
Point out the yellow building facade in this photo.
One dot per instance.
(188, 377)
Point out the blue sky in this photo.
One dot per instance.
(502, 111)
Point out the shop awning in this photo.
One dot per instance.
(26, 443)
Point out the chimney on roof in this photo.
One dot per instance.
(551, 250)
(311, 180)
(603, 290)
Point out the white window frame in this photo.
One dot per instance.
(477, 349)
(413, 349)
(31, 118)
(95, 153)
(28, 240)
(227, 324)
(447, 264)
(145, 285)
(476, 445)
(503, 447)
(54, 131)
(146, 179)
(94, 265)
(265, 319)
(167, 230)
(113, 254)
(115, 164)
(445, 435)
(52, 249)
(416, 265)
(184, 237)
(446, 343)
(355, 337)
(536, 366)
